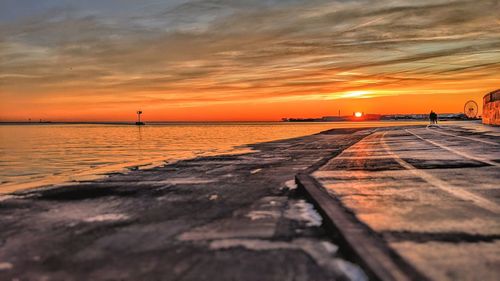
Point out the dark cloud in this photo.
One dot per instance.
(217, 50)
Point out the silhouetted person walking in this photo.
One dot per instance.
(433, 117)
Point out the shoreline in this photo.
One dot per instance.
(125, 168)
(98, 173)
(212, 208)
(102, 172)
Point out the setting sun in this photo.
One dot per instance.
(358, 114)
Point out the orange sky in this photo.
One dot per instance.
(243, 60)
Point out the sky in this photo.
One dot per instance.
(221, 60)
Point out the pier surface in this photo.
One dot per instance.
(427, 196)
(230, 217)
(432, 194)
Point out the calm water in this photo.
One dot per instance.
(36, 155)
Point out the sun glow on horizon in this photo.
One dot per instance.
(356, 94)
(358, 114)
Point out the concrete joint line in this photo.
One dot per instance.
(465, 155)
(453, 190)
(462, 137)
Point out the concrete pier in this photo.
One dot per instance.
(432, 194)
(212, 218)
(409, 203)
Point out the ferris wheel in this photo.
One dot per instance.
(471, 109)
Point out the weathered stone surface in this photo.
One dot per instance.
(229, 217)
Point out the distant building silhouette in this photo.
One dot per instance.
(491, 108)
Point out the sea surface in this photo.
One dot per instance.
(34, 155)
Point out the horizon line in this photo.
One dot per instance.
(42, 121)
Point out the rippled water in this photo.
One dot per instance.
(36, 155)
